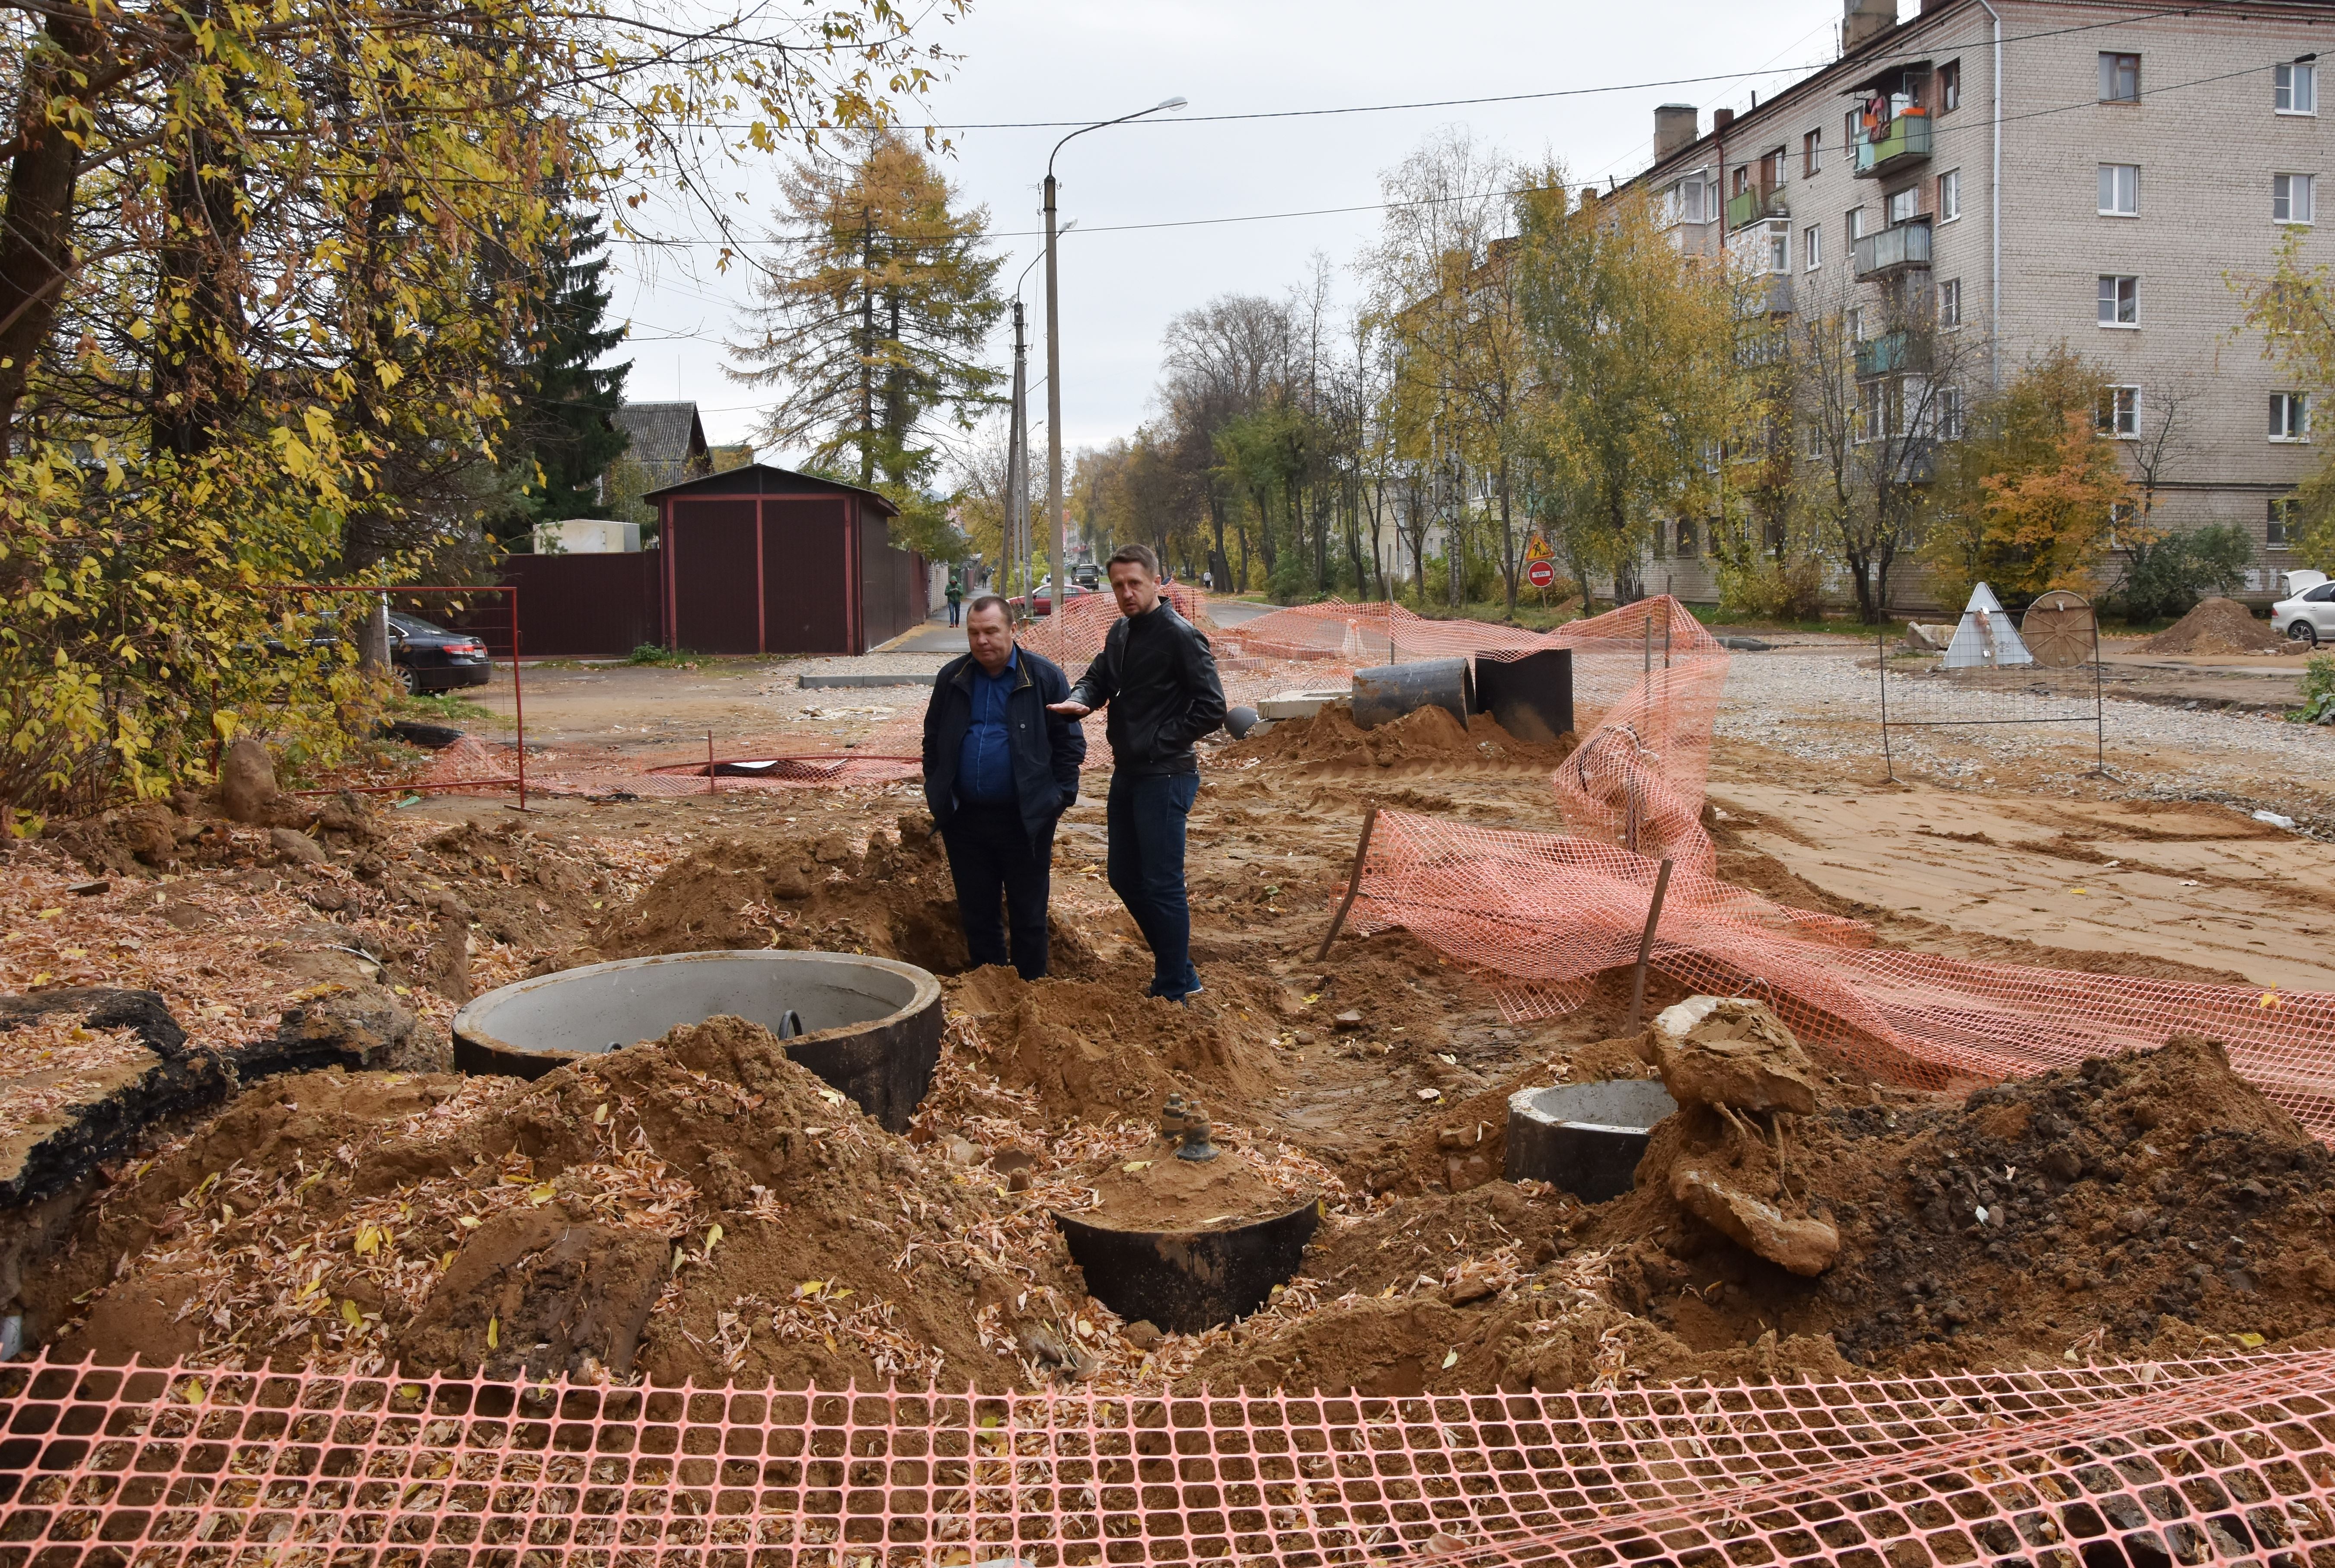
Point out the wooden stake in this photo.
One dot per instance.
(1646, 947)
(1354, 881)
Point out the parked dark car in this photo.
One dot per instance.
(432, 659)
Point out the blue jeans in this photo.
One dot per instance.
(1146, 820)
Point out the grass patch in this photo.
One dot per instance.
(666, 658)
(434, 710)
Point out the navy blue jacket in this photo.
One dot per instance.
(1047, 748)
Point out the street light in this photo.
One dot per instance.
(1054, 344)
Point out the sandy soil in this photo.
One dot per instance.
(1428, 1271)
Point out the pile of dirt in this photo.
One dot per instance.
(699, 1207)
(2147, 1205)
(2129, 1202)
(1154, 1190)
(893, 898)
(1095, 1052)
(2216, 626)
(1424, 738)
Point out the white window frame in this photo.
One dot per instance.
(1950, 86)
(1909, 198)
(2119, 279)
(1852, 223)
(2285, 407)
(1950, 197)
(2108, 79)
(2285, 189)
(2298, 83)
(1950, 320)
(2124, 413)
(1949, 415)
(1812, 247)
(2112, 182)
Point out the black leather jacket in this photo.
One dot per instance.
(1156, 676)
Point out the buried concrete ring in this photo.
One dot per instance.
(1585, 1137)
(1188, 1280)
(872, 1025)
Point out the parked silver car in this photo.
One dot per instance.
(2306, 614)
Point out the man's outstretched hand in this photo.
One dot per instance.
(1075, 709)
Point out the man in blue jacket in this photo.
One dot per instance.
(999, 768)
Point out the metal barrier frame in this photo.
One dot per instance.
(518, 701)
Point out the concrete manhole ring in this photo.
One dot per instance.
(871, 1027)
(1585, 1137)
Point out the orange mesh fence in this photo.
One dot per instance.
(1546, 912)
(2144, 1464)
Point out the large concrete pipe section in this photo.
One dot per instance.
(1386, 693)
(869, 1027)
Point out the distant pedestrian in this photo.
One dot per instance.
(1000, 766)
(955, 598)
(1156, 676)
(1209, 581)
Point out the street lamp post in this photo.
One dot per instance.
(1054, 350)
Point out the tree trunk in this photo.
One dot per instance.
(36, 224)
(1507, 541)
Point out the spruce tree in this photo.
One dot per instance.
(564, 435)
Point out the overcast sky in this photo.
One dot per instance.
(1057, 60)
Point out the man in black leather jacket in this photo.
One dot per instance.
(999, 768)
(1155, 675)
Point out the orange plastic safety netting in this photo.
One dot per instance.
(1647, 680)
(1544, 913)
(2141, 1465)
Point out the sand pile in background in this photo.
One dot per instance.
(2215, 627)
(1424, 738)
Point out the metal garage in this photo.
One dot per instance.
(764, 560)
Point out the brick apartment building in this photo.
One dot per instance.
(2046, 171)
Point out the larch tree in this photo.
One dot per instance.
(870, 320)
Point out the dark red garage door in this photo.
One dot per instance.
(809, 589)
(711, 558)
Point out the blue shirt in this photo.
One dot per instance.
(984, 762)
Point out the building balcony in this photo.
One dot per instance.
(1899, 248)
(1771, 295)
(1754, 202)
(1904, 141)
(1891, 352)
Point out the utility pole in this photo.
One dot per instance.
(1054, 520)
(1017, 448)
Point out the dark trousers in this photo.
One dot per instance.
(1146, 817)
(991, 854)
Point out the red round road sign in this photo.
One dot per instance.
(1540, 573)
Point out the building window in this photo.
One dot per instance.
(1662, 540)
(2279, 530)
(2291, 197)
(2119, 301)
(1848, 135)
(2119, 78)
(2297, 89)
(1686, 549)
(1771, 168)
(1901, 205)
(1950, 414)
(1855, 223)
(1855, 320)
(1812, 152)
(1815, 442)
(2289, 416)
(2121, 515)
(1949, 195)
(2120, 189)
(1779, 249)
(1950, 86)
(1812, 246)
(2119, 412)
(1949, 302)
